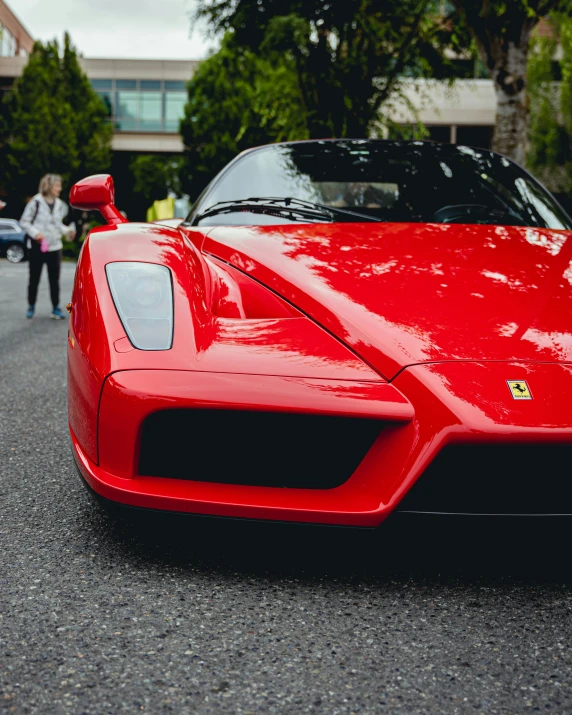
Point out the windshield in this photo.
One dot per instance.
(391, 181)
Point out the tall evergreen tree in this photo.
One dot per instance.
(89, 114)
(52, 121)
(38, 127)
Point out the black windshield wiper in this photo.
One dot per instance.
(294, 213)
(279, 206)
(323, 207)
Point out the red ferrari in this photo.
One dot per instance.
(339, 329)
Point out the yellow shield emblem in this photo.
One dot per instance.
(519, 389)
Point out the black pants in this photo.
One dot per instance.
(53, 260)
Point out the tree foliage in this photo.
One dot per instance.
(52, 121)
(502, 30)
(550, 89)
(89, 115)
(348, 55)
(237, 100)
(496, 24)
(155, 176)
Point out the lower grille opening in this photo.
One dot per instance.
(255, 448)
(495, 479)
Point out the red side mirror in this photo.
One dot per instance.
(97, 193)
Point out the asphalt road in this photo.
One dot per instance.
(103, 613)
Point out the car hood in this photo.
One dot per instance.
(404, 294)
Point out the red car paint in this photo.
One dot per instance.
(403, 294)
(418, 325)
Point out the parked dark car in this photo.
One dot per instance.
(12, 240)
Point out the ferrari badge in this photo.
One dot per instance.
(519, 389)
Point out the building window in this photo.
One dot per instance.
(151, 111)
(143, 105)
(126, 111)
(174, 110)
(479, 136)
(99, 84)
(8, 44)
(175, 86)
(439, 133)
(126, 83)
(475, 135)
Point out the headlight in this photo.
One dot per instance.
(143, 297)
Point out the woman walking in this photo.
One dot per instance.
(42, 221)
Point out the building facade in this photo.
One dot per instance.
(145, 99)
(461, 113)
(15, 40)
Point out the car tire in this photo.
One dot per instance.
(15, 253)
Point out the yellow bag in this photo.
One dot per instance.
(165, 208)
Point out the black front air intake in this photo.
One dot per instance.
(495, 479)
(270, 449)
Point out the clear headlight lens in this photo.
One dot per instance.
(143, 297)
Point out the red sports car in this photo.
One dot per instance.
(339, 329)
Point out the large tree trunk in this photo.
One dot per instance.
(502, 30)
(509, 76)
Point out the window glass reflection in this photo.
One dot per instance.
(150, 125)
(127, 104)
(102, 83)
(175, 106)
(107, 98)
(126, 83)
(143, 105)
(533, 196)
(126, 125)
(151, 106)
(392, 181)
(8, 42)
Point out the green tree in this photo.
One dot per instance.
(349, 55)
(89, 115)
(566, 88)
(550, 89)
(52, 121)
(155, 176)
(38, 127)
(502, 31)
(237, 100)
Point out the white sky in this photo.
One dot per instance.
(137, 29)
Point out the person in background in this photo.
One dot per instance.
(2, 204)
(42, 221)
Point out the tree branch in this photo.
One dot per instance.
(547, 6)
(478, 26)
(400, 63)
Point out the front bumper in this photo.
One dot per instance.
(131, 396)
(453, 403)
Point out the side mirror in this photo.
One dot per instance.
(97, 193)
